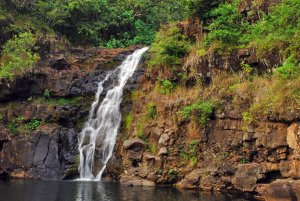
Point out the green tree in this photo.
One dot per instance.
(18, 55)
(227, 26)
(202, 8)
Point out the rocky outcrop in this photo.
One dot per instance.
(223, 155)
(42, 112)
(41, 155)
(73, 73)
(282, 190)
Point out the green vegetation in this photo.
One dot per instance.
(46, 94)
(15, 124)
(278, 31)
(202, 8)
(202, 109)
(227, 28)
(128, 121)
(152, 148)
(244, 161)
(17, 55)
(58, 101)
(20, 125)
(33, 124)
(151, 111)
(189, 154)
(166, 87)
(106, 23)
(169, 47)
(140, 130)
(174, 175)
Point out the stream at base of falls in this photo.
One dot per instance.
(37, 190)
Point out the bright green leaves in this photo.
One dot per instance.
(202, 109)
(279, 30)
(169, 48)
(227, 26)
(18, 55)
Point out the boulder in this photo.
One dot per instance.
(282, 190)
(132, 155)
(163, 151)
(135, 181)
(246, 177)
(164, 139)
(59, 63)
(208, 183)
(134, 145)
(293, 139)
(191, 181)
(290, 169)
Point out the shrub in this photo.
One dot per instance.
(173, 175)
(12, 127)
(59, 101)
(33, 124)
(151, 111)
(203, 109)
(169, 47)
(128, 121)
(166, 87)
(140, 133)
(17, 55)
(280, 30)
(189, 153)
(227, 26)
(15, 125)
(47, 94)
(152, 148)
(288, 70)
(201, 8)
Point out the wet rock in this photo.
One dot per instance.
(134, 145)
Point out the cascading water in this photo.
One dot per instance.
(100, 131)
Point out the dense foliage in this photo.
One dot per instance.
(17, 55)
(169, 47)
(98, 22)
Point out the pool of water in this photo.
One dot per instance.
(36, 190)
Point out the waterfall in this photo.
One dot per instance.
(98, 136)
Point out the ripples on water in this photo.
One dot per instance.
(20, 190)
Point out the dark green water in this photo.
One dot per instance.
(20, 190)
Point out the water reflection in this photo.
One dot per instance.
(96, 191)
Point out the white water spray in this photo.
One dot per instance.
(100, 131)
